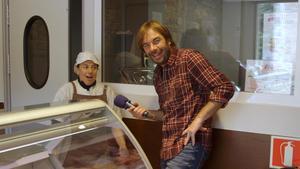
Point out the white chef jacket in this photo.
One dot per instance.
(65, 93)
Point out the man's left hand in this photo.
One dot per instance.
(191, 131)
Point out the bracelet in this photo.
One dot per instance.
(145, 114)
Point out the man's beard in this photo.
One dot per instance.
(166, 56)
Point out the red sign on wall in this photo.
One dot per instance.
(285, 152)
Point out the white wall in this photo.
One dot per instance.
(88, 19)
(91, 27)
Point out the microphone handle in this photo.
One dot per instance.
(145, 113)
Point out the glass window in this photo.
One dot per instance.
(272, 71)
(253, 42)
(36, 52)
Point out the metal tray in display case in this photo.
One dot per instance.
(70, 135)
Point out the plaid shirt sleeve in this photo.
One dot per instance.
(210, 78)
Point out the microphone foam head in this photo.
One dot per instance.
(120, 101)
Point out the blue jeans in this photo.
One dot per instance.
(191, 157)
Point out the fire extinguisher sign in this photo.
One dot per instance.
(285, 152)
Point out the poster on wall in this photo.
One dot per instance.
(279, 36)
(269, 77)
(285, 152)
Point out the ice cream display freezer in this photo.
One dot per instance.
(67, 135)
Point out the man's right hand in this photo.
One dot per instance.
(137, 110)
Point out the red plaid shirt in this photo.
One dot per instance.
(184, 85)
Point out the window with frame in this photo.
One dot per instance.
(235, 37)
(36, 52)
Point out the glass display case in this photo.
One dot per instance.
(67, 135)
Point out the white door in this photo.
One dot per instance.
(55, 14)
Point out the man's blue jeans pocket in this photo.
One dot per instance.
(191, 157)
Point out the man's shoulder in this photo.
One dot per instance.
(189, 51)
(187, 54)
(193, 54)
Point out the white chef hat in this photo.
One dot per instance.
(84, 56)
